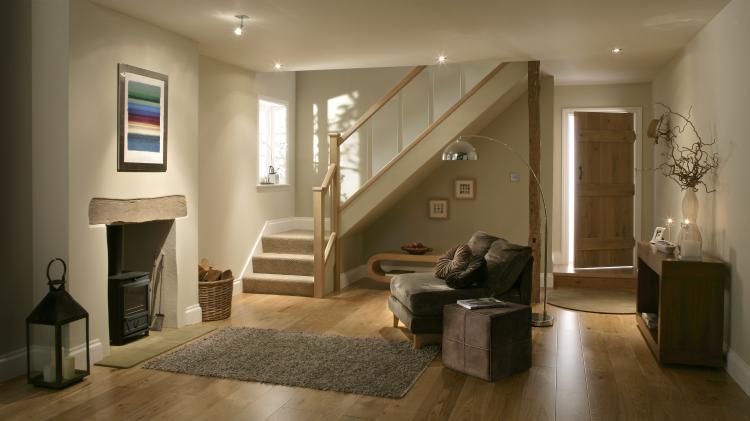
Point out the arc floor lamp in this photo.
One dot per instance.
(462, 150)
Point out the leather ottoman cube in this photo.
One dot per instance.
(488, 343)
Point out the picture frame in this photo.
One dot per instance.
(142, 110)
(658, 234)
(465, 188)
(437, 208)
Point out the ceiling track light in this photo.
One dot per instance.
(442, 59)
(616, 50)
(277, 66)
(238, 30)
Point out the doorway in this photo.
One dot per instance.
(601, 194)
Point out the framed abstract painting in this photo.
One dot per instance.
(142, 119)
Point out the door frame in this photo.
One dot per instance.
(568, 183)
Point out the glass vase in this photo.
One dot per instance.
(690, 240)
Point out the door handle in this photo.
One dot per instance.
(580, 173)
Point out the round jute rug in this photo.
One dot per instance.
(593, 300)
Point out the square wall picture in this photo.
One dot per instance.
(438, 208)
(465, 188)
(142, 119)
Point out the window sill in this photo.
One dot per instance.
(272, 186)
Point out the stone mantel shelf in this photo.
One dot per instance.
(131, 211)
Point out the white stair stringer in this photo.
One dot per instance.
(418, 161)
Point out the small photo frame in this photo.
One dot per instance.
(141, 119)
(465, 188)
(658, 234)
(438, 208)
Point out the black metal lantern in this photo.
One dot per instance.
(56, 332)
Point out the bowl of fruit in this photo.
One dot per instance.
(415, 248)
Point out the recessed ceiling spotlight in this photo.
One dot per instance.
(241, 26)
(616, 50)
(442, 59)
(277, 66)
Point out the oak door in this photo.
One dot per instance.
(604, 189)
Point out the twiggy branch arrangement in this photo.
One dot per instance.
(686, 165)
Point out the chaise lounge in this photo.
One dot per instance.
(417, 299)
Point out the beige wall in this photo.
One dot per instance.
(500, 207)
(603, 96)
(233, 208)
(15, 214)
(99, 39)
(331, 101)
(710, 75)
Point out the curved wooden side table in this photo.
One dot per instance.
(376, 272)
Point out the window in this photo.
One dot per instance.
(273, 145)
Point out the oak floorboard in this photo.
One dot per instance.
(585, 367)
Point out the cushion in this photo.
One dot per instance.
(473, 275)
(505, 262)
(454, 260)
(425, 295)
(480, 242)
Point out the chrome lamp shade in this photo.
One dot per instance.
(460, 150)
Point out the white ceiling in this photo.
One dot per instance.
(572, 38)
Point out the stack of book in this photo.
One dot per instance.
(651, 319)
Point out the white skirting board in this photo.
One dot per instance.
(13, 364)
(193, 314)
(550, 280)
(739, 370)
(353, 275)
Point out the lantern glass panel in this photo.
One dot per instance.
(42, 353)
(73, 336)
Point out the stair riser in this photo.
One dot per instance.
(283, 266)
(280, 288)
(287, 245)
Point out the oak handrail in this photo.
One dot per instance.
(329, 247)
(424, 134)
(381, 102)
(327, 179)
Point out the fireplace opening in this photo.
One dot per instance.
(135, 258)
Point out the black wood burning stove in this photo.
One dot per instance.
(128, 294)
(128, 306)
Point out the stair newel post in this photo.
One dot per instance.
(319, 268)
(335, 158)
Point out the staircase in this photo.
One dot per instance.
(285, 265)
(307, 262)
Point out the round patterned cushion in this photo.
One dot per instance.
(454, 260)
(472, 276)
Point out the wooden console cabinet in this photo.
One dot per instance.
(688, 297)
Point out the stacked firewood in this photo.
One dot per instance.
(208, 273)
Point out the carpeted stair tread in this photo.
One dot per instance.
(289, 242)
(283, 263)
(270, 283)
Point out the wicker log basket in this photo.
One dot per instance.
(215, 299)
(214, 292)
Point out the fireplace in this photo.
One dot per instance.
(141, 232)
(128, 306)
(133, 250)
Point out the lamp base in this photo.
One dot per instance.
(542, 320)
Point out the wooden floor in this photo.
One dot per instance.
(588, 366)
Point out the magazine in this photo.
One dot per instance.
(476, 303)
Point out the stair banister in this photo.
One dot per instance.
(367, 184)
(321, 249)
(380, 103)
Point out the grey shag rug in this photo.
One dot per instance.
(366, 366)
